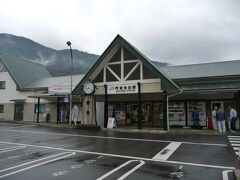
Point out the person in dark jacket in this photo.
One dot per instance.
(221, 120)
(195, 118)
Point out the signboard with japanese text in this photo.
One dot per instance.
(122, 89)
(59, 90)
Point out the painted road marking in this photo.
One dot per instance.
(89, 161)
(178, 173)
(109, 137)
(225, 174)
(36, 165)
(78, 166)
(11, 149)
(120, 167)
(30, 162)
(122, 156)
(59, 173)
(234, 136)
(235, 143)
(165, 153)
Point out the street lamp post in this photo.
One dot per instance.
(70, 107)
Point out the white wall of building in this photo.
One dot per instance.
(10, 92)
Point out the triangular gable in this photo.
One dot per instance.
(111, 56)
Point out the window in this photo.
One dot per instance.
(2, 69)
(42, 108)
(1, 108)
(2, 84)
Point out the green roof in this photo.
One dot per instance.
(203, 70)
(224, 85)
(167, 83)
(22, 71)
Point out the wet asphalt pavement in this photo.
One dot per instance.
(37, 152)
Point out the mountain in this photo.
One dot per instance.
(57, 61)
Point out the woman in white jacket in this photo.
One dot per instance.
(214, 118)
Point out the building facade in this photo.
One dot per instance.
(123, 87)
(137, 93)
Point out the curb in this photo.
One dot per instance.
(124, 130)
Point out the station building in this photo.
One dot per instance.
(123, 85)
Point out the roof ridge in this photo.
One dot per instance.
(20, 59)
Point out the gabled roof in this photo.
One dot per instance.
(214, 69)
(167, 83)
(22, 71)
(56, 81)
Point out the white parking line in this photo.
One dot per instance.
(165, 153)
(225, 174)
(122, 156)
(35, 165)
(120, 167)
(11, 149)
(109, 137)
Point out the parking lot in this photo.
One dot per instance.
(37, 152)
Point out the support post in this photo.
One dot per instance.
(165, 111)
(238, 105)
(38, 108)
(139, 107)
(57, 110)
(105, 107)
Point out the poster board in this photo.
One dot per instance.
(111, 123)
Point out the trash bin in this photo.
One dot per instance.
(210, 124)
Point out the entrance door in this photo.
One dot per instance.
(157, 114)
(217, 104)
(18, 111)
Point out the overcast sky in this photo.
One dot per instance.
(173, 31)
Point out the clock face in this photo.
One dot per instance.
(88, 88)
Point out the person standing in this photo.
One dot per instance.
(233, 118)
(195, 118)
(214, 118)
(221, 120)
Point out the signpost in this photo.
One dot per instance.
(111, 123)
